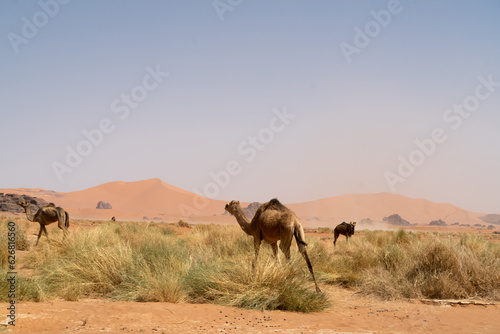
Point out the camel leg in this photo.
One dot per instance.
(256, 246)
(274, 246)
(44, 230)
(39, 234)
(285, 243)
(336, 236)
(285, 248)
(62, 226)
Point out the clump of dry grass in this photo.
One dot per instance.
(224, 275)
(183, 223)
(15, 231)
(145, 262)
(282, 287)
(128, 262)
(420, 265)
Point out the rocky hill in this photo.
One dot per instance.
(438, 222)
(8, 203)
(491, 219)
(396, 220)
(103, 206)
(251, 209)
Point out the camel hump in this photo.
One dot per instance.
(275, 204)
(48, 208)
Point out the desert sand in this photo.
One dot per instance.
(350, 313)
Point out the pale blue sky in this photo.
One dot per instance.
(353, 120)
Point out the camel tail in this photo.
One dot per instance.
(300, 236)
(66, 221)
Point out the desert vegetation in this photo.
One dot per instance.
(22, 243)
(150, 262)
(401, 264)
(212, 264)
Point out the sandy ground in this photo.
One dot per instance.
(350, 313)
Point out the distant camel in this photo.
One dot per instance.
(273, 222)
(46, 215)
(344, 229)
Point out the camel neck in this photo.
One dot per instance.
(29, 215)
(243, 221)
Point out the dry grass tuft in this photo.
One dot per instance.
(183, 223)
(403, 264)
(147, 262)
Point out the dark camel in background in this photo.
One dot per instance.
(344, 229)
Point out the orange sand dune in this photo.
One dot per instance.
(378, 206)
(130, 201)
(156, 199)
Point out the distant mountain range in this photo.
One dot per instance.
(156, 200)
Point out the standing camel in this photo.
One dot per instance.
(273, 222)
(46, 215)
(344, 229)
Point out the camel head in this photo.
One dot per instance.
(232, 207)
(353, 225)
(24, 204)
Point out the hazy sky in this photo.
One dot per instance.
(249, 100)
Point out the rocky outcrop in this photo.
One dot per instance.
(8, 203)
(396, 220)
(366, 221)
(103, 206)
(251, 209)
(491, 219)
(438, 222)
